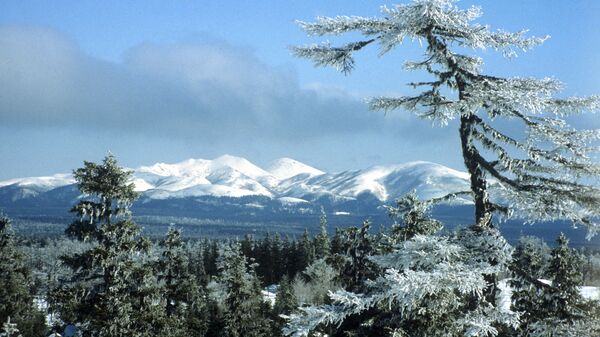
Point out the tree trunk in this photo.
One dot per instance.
(483, 209)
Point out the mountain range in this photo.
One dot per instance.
(286, 180)
(231, 196)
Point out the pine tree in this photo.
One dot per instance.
(359, 246)
(411, 218)
(566, 279)
(321, 241)
(285, 299)
(541, 172)
(16, 297)
(183, 297)
(529, 265)
(563, 311)
(209, 256)
(432, 286)
(107, 294)
(306, 251)
(246, 314)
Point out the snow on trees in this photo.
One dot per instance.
(539, 168)
(539, 174)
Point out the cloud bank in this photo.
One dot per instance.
(189, 99)
(198, 90)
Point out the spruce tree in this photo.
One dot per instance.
(246, 314)
(285, 299)
(566, 277)
(182, 293)
(529, 265)
(16, 296)
(321, 241)
(358, 245)
(563, 311)
(107, 294)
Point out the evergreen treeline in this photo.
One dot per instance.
(108, 280)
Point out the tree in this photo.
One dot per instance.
(110, 292)
(540, 168)
(540, 172)
(566, 279)
(285, 299)
(358, 245)
(110, 194)
(246, 314)
(321, 241)
(529, 265)
(431, 286)
(183, 297)
(16, 299)
(563, 311)
(414, 218)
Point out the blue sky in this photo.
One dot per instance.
(166, 81)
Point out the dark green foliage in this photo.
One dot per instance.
(562, 298)
(306, 250)
(357, 244)
(411, 217)
(109, 195)
(530, 261)
(209, 257)
(183, 294)
(321, 241)
(111, 291)
(16, 295)
(245, 314)
(285, 300)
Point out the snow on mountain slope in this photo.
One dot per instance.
(41, 183)
(285, 168)
(430, 180)
(286, 179)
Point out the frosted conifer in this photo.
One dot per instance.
(108, 292)
(539, 174)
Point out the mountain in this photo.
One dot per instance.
(286, 179)
(230, 196)
(285, 168)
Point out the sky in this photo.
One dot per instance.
(164, 81)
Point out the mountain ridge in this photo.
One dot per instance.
(286, 179)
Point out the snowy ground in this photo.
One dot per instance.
(590, 293)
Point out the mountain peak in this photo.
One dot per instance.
(285, 168)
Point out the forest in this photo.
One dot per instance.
(105, 278)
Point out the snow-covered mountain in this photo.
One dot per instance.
(285, 179)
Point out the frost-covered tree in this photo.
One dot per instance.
(358, 245)
(109, 195)
(245, 314)
(427, 289)
(529, 265)
(110, 292)
(184, 297)
(562, 311)
(531, 164)
(431, 286)
(540, 172)
(411, 218)
(321, 242)
(16, 285)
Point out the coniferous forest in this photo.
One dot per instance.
(105, 278)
